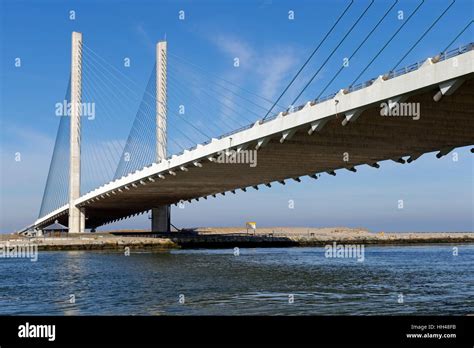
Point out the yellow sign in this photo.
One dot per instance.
(252, 225)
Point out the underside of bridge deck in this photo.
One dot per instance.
(446, 124)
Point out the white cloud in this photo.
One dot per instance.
(270, 67)
(273, 70)
(234, 47)
(140, 30)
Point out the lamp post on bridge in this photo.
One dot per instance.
(160, 215)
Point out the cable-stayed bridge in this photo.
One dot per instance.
(168, 158)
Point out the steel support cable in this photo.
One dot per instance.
(61, 184)
(61, 191)
(153, 97)
(58, 194)
(194, 108)
(97, 177)
(226, 105)
(88, 179)
(107, 106)
(102, 154)
(207, 73)
(88, 183)
(195, 128)
(222, 103)
(191, 111)
(95, 125)
(120, 97)
(56, 184)
(102, 151)
(125, 167)
(50, 193)
(358, 48)
(48, 196)
(180, 90)
(146, 153)
(388, 42)
(88, 172)
(233, 115)
(308, 59)
(121, 100)
(98, 90)
(332, 52)
(119, 156)
(140, 139)
(227, 89)
(135, 92)
(424, 34)
(457, 36)
(198, 103)
(153, 87)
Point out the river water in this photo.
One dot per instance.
(281, 281)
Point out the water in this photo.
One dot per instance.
(257, 282)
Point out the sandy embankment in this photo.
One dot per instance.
(319, 236)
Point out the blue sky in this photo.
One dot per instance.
(437, 194)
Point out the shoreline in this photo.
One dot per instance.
(225, 238)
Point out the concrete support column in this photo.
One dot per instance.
(160, 215)
(160, 218)
(75, 136)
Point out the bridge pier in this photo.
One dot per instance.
(160, 215)
(160, 219)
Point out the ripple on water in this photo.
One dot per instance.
(257, 282)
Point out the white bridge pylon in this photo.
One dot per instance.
(76, 214)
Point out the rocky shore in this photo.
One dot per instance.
(230, 238)
(91, 242)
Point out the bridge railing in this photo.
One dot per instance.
(412, 67)
(390, 75)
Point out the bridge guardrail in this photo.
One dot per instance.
(390, 75)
